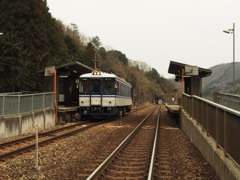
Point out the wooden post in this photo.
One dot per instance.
(36, 166)
(183, 85)
(55, 96)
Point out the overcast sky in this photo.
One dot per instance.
(158, 31)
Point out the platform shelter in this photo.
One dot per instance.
(64, 80)
(190, 76)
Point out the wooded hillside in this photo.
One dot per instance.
(221, 79)
(32, 39)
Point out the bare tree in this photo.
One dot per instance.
(141, 65)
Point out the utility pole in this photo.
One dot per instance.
(232, 31)
(95, 62)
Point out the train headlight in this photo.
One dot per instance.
(110, 102)
(96, 73)
(82, 102)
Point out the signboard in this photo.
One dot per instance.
(49, 70)
(191, 70)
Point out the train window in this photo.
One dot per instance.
(118, 88)
(84, 86)
(109, 86)
(96, 85)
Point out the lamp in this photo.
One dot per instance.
(232, 31)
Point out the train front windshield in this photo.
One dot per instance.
(84, 86)
(109, 86)
(97, 86)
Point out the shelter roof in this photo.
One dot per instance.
(176, 68)
(76, 66)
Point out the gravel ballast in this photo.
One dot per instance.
(67, 158)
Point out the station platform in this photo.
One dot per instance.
(67, 114)
(173, 109)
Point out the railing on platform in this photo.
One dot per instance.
(230, 100)
(15, 104)
(220, 122)
(11, 93)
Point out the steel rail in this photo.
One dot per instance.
(104, 164)
(151, 168)
(50, 132)
(139, 108)
(32, 146)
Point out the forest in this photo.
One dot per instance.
(31, 39)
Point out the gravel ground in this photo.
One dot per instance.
(187, 161)
(66, 158)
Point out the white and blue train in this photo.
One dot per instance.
(104, 94)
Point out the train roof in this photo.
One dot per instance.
(100, 74)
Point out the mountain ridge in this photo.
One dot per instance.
(221, 79)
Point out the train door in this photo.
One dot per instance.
(96, 92)
(84, 92)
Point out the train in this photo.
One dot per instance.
(103, 94)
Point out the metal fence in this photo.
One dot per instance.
(229, 100)
(220, 122)
(15, 104)
(11, 93)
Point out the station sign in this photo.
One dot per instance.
(191, 70)
(49, 70)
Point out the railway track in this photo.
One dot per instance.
(12, 148)
(162, 162)
(19, 146)
(136, 109)
(132, 158)
(30, 137)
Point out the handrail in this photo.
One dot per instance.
(232, 95)
(8, 94)
(220, 122)
(11, 105)
(225, 108)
